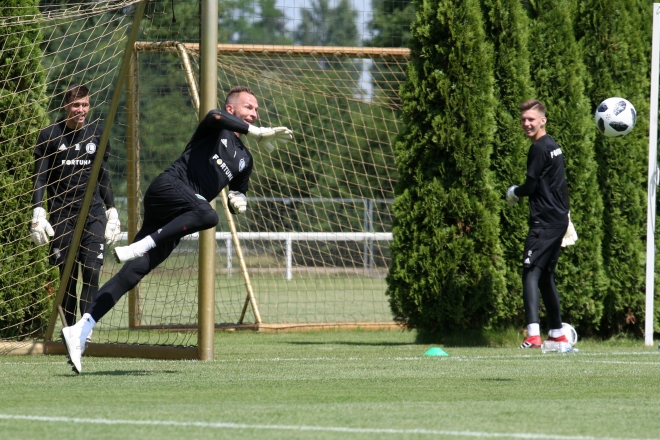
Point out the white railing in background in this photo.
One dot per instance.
(289, 238)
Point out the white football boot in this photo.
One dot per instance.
(75, 345)
(126, 253)
(88, 339)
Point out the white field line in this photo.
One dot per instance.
(342, 429)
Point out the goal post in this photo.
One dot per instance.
(343, 135)
(652, 179)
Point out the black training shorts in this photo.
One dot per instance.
(92, 241)
(542, 248)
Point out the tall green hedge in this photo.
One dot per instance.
(559, 77)
(456, 250)
(27, 279)
(447, 271)
(616, 55)
(507, 27)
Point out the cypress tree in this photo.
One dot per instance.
(446, 272)
(559, 77)
(507, 28)
(616, 47)
(26, 278)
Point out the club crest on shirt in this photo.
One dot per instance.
(90, 148)
(241, 165)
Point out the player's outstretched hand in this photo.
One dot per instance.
(511, 197)
(40, 229)
(237, 201)
(266, 136)
(112, 228)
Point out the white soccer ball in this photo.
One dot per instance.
(615, 117)
(570, 333)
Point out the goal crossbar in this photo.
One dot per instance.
(260, 49)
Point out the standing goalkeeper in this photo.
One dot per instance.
(63, 156)
(176, 203)
(549, 223)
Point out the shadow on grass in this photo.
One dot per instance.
(356, 343)
(472, 338)
(130, 373)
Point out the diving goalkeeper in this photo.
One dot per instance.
(176, 203)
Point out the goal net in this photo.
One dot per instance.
(313, 247)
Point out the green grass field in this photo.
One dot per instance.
(327, 385)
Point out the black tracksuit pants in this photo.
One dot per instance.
(89, 259)
(172, 210)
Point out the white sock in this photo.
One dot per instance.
(87, 323)
(556, 332)
(533, 330)
(144, 245)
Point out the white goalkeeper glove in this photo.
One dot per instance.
(40, 229)
(570, 237)
(112, 228)
(266, 136)
(511, 197)
(238, 201)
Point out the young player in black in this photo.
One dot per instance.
(548, 223)
(176, 203)
(64, 155)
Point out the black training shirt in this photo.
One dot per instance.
(215, 157)
(548, 204)
(63, 164)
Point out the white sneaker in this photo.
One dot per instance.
(126, 253)
(75, 345)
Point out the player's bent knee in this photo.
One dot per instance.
(208, 218)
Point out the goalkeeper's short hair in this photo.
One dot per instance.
(75, 91)
(235, 91)
(532, 104)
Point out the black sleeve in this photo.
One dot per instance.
(527, 188)
(564, 190)
(536, 161)
(105, 189)
(42, 162)
(217, 120)
(242, 183)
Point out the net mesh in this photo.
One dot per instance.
(315, 238)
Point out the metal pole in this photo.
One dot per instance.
(365, 228)
(289, 259)
(94, 173)
(370, 213)
(132, 179)
(229, 252)
(208, 100)
(652, 179)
